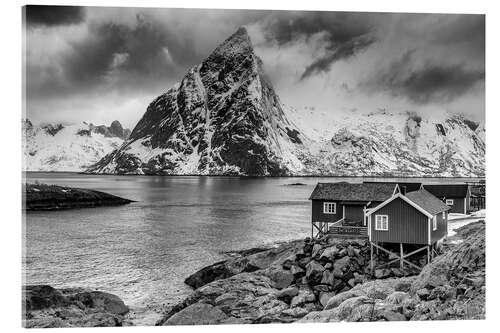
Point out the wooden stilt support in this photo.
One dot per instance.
(401, 262)
(409, 263)
(428, 254)
(371, 258)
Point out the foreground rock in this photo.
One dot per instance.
(449, 288)
(329, 280)
(45, 306)
(53, 197)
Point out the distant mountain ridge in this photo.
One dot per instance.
(224, 118)
(58, 147)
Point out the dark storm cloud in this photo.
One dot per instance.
(345, 34)
(139, 55)
(54, 15)
(342, 51)
(432, 82)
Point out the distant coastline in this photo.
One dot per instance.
(243, 176)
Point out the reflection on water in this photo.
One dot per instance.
(143, 251)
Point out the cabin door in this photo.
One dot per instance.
(354, 214)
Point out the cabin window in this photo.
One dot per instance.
(329, 207)
(434, 223)
(449, 202)
(381, 222)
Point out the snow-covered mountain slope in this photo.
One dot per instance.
(68, 147)
(224, 117)
(385, 143)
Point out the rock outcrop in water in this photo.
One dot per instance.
(45, 306)
(53, 197)
(328, 281)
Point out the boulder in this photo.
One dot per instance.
(329, 253)
(198, 314)
(341, 265)
(45, 306)
(281, 278)
(316, 251)
(328, 278)
(314, 272)
(324, 297)
(101, 300)
(36, 297)
(287, 294)
(336, 300)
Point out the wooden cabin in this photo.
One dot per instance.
(417, 218)
(340, 207)
(457, 196)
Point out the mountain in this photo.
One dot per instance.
(391, 143)
(224, 118)
(58, 147)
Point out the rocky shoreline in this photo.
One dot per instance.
(328, 280)
(53, 197)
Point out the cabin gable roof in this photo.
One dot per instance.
(422, 200)
(360, 192)
(448, 190)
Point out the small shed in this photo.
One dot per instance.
(457, 196)
(417, 218)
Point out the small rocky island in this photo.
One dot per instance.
(328, 280)
(53, 197)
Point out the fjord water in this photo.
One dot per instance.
(143, 251)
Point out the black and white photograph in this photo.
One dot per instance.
(209, 166)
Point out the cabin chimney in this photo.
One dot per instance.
(403, 190)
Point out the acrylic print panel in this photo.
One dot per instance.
(177, 163)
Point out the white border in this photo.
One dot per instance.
(11, 166)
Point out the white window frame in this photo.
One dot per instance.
(327, 208)
(449, 202)
(434, 223)
(379, 219)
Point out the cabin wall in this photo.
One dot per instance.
(319, 216)
(406, 224)
(442, 228)
(458, 205)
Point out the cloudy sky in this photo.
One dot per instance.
(99, 64)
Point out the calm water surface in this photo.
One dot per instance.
(143, 251)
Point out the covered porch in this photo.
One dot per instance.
(343, 228)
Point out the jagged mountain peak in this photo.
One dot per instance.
(238, 43)
(223, 117)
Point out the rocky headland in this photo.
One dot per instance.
(53, 197)
(329, 280)
(45, 306)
